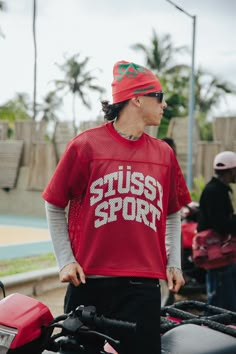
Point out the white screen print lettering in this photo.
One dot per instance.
(143, 204)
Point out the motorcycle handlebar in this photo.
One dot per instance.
(84, 320)
(107, 323)
(88, 316)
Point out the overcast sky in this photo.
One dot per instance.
(104, 30)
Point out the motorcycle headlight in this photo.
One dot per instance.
(7, 334)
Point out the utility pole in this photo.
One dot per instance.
(191, 100)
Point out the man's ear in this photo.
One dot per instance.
(136, 101)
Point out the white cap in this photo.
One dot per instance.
(224, 160)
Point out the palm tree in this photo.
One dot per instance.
(50, 105)
(209, 90)
(48, 108)
(159, 57)
(35, 58)
(18, 108)
(78, 81)
(175, 84)
(159, 54)
(15, 109)
(2, 8)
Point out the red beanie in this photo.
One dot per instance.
(131, 80)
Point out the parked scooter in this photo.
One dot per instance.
(28, 327)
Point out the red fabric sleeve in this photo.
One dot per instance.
(62, 187)
(179, 194)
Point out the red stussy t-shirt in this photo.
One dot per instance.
(120, 192)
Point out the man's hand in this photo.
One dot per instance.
(174, 278)
(72, 273)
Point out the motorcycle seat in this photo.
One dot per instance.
(194, 339)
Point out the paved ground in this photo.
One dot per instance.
(23, 236)
(27, 235)
(13, 235)
(53, 300)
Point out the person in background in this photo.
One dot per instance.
(124, 190)
(216, 212)
(171, 143)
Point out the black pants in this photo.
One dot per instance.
(129, 299)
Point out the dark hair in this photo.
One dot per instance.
(171, 143)
(112, 111)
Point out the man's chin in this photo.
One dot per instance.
(155, 123)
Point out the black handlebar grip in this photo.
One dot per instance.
(116, 325)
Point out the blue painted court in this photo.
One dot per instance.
(25, 221)
(24, 248)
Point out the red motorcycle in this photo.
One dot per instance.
(194, 276)
(28, 327)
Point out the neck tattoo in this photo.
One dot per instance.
(126, 136)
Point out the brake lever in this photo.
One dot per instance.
(72, 324)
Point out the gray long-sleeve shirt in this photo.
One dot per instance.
(57, 223)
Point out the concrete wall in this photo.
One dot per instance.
(39, 159)
(19, 200)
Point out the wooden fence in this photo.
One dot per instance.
(30, 149)
(10, 155)
(224, 138)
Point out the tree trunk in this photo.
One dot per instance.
(74, 115)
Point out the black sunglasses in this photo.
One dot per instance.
(159, 95)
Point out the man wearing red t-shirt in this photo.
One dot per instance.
(124, 189)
